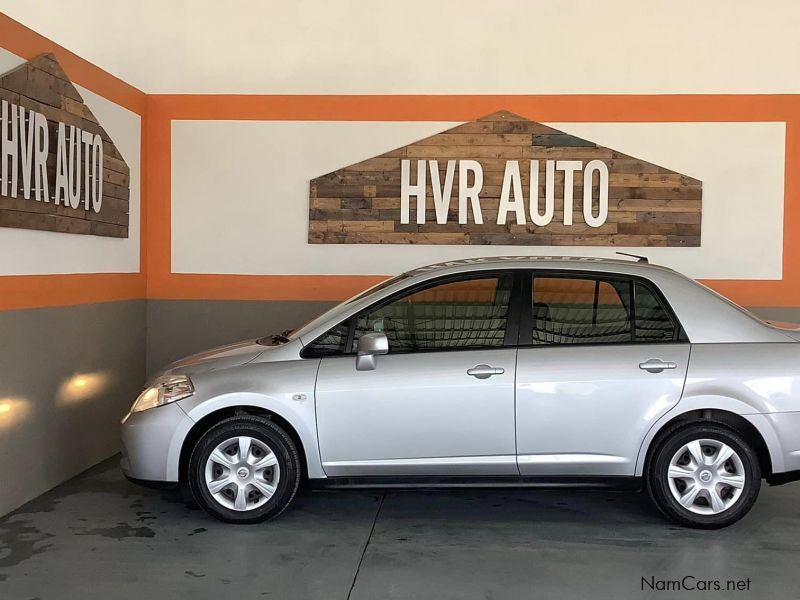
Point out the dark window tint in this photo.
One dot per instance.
(459, 314)
(580, 310)
(332, 342)
(653, 322)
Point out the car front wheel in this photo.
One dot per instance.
(704, 476)
(244, 470)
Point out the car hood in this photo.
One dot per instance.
(222, 357)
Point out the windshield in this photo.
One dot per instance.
(331, 314)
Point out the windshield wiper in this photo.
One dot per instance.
(274, 339)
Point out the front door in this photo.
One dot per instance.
(603, 359)
(441, 402)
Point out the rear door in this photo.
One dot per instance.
(442, 401)
(601, 358)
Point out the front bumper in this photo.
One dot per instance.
(147, 441)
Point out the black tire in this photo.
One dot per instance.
(658, 483)
(275, 438)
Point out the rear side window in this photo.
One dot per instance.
(581, 310)
(584, 309)
(653, 321)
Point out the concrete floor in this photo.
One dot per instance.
(97, 536)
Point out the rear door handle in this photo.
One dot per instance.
(656, 365)
(485, 371)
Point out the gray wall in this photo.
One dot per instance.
(177, 328)
(68, 375)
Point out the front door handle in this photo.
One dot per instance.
(485, 371)
(656, 365)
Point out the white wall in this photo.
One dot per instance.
(31, 252)
(240, 195)
(431, 47)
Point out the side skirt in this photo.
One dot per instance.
(544, 482)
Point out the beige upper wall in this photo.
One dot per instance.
(431, 46)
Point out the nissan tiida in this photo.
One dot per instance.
(502, 371)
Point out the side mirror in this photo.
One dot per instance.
(370, 345)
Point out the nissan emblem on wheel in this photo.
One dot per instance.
(499, 371)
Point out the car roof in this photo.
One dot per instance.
(590, 263)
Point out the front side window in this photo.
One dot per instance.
(581, 310)
(461, 314)
(330, 343)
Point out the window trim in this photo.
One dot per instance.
(512, 329)
(526, 320)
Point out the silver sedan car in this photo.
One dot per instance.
(502, 371)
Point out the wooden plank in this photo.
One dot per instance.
(473, 152)
(650, 228)
(120, 166)
(468, 139)
(116, 191)
(561, 140)
(59, 223)
(545, 153)
(331, 203)
(510, 239)
(651, 180)
(119, 179)
(654, 205)
(77, 108)
(668, 217)
(107, 215)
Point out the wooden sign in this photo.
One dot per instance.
(504, 179)
(59, 170)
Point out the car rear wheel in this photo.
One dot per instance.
(244, 470)
(704, 476)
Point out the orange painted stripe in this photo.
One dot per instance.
(182, 286)
(566, 108)
(38, 291)
(157, 188)
(28, 44)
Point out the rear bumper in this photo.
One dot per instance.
(146, 441)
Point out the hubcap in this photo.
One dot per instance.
(242, 473)
(706, 476)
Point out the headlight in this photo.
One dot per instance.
(166, 389)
